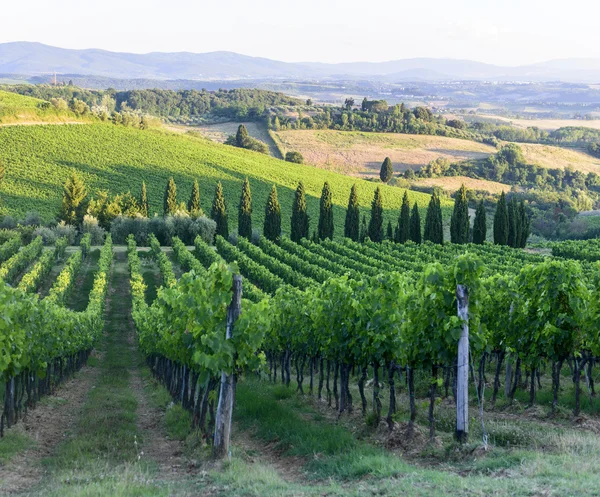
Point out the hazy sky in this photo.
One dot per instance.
(497, 31)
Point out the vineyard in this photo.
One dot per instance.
(38, 160)
(365, 335)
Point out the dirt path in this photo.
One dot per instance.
(157, 448)
(48, 425)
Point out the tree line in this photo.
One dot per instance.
(511, 222)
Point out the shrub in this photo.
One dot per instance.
(8, 223)
(32, 218)
(48, 235)
(90, 225)
(163, 228)
(295, 157)
(7, 234)
(65, 230)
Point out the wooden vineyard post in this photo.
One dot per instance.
(226, 392)
(462, 373)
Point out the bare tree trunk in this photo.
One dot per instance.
(376, 399)
(392, 407)
(361, 390)
(226, 394)
(532, 388)
(410, 378)
(432, 393)
(500, 360)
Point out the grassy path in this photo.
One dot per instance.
(110, 436)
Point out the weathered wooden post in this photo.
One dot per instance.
(226, 392)
(462, 372)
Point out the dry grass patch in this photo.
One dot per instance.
(361, 153)
(453, 183)
(559, 158)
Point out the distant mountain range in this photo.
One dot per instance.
(33, 59)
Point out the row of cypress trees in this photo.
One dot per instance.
(511, 223)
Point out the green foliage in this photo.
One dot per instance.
(41, 331)
(387, 170)
(219, 212)
(459, 223)
(187, 322)
(64, 282)
(243, 140)
(43, 156)
(351, 225)
(300, 221)
(170, 205)
(73, 201)
(193, 206)
(376, 222)
(245, 211)
(434, 227)
(480, 225)
(18, 262)
(272, 227)
(326, 225)
(403, 224)
(415, 225)
(295, 157)
(144, 206)
(501, 222)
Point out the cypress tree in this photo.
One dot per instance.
(434, 228)
(480, 225)
(459, 223)
(245, 211)
(170, 201)
(403, 226)
(363, 229)
(512, 223)
(144, 208)
(73, 201)
(300, 221)
(241, 137)
(351, 226)
(326, 214)
(193, 206)
(376, 222)
(218, 212)
(415, 225)
(390, 231)
(272, 227)
(501, 222)
(525, 225)
(387, 170)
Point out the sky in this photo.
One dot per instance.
(505, 32)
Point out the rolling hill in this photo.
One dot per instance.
(27, 58)
(361, 153)
(22, 109)
(38, 159)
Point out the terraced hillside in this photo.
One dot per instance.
(38, 159)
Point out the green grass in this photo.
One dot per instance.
(107, 428)
(12, 443)
(9, 99)
(20, 108)
(40, 158)
(80, 293)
